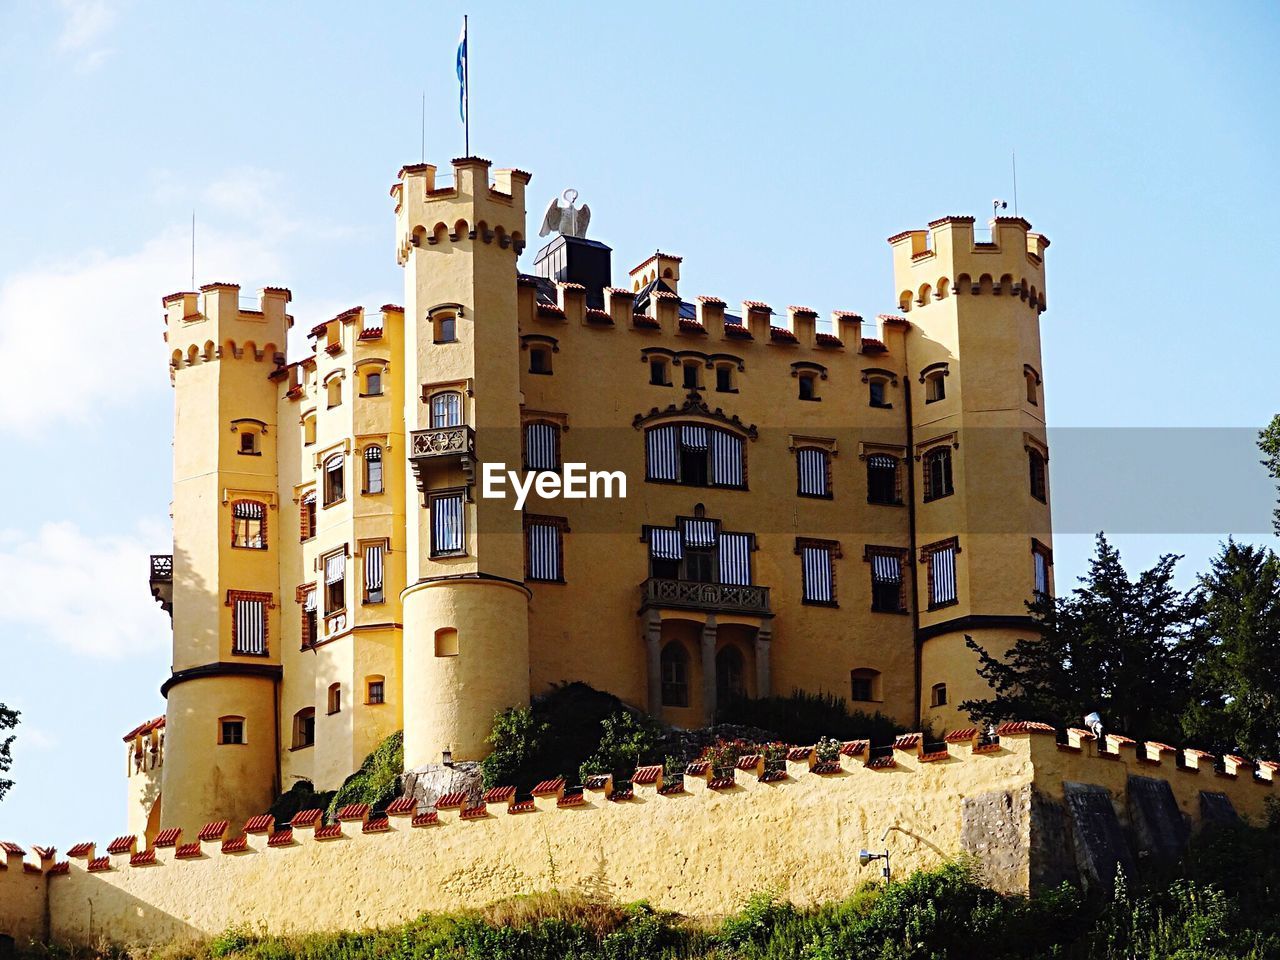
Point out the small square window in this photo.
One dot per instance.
(877, 391)
(808, 387)
(658, 373)
(724, 379)
(540, 360)
(935, 387)
(231, 731)
(377, 691)
(248, 442)
(938, 695)
(373, 384)
(445, 329)
(691, 376)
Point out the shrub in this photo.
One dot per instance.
(628, 740)
(377, 782)
(803, 718)
(301, 796)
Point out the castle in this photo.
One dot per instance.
(803, 509)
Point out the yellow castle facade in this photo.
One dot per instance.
(777, 507)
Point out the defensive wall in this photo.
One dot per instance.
(1031, 809)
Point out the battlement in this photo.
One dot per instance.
(215, 324)
(951, 258)
(472, 208)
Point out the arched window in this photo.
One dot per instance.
(864, 685)
(729, 675)
(249, 525)
(1036, 463)
(675, 675)
(375, 690)
(373, 383)
(937, 474)
(882, 479)
(444, 328)
(935, 386)
(307, 516)
(309, 429)
(938, 695)
(304, 728)
(334, 390)
(333, 480)
(373, 469)
(1033, 384)
(446, 409)
(335, 698)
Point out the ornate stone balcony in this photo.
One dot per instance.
(705, 597)
(438, 445)
(162, 580)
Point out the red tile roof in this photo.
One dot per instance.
(262, 823)
(987, 747)
(960, 736)
(721, 783)
(691, 326)
(755, 305)
(306, 818)
(550, 310)
(30, 868)
(827, 766)
(711, 300)
(698, 768)
(122, 844)
(452, 801)
(881, 763)
(782, 335)
(623, 793)
(646, 775)
(236, 845)
(600, 316)
(330, 831)
(402, 805)
(672, 787)
(100, 864)
(213, 831)
(354, 811)
(8, 846)
(142, 858)
(799, 754)
(187, 851)
(58, 869)
(474, 813)
(803, 311)
(370, 333)
(80, 850)
(168, 837)
(548, 787)
(144, 728)
(773, 776)
(873, 346)
(426, 819)
(376, 825)
(571, 800)
(737, 331)
(498, 794)
(749, 762)
(854, 748)
(935, 755)
(907, 741)
(645, 322)
(1027, 726)
(521, 806)
(597, 781)
(828, 340)
(45, 853)
(281, 838)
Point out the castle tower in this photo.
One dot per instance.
(222, 736)
(977, 428)
(466, 635)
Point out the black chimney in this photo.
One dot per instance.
(576, 260)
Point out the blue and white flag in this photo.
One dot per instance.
(462, 72)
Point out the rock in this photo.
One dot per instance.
(431, 781)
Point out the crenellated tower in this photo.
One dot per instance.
(221, 728)
(466, 635)
(979, 449)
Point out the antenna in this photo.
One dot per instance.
(1015, 182)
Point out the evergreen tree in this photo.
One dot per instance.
(1237, 680)
(8, 720)
(1117, 645)
(1269, 444)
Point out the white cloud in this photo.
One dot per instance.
(98, 322)
(87, 594)
(84, 28)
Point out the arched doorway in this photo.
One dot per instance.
(730, 675)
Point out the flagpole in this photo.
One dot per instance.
(466, 89)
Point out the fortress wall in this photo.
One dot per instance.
(700, 851)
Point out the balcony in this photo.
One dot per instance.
(441, 446)
(705, 597)
(162, 580)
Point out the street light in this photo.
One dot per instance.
(866, 856)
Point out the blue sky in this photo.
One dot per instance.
(774, 147)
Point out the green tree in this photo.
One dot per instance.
(1117, 645)
(1237, 680)
(8, 720)
(1269, 444)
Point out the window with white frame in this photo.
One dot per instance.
(334, 487)
(446, 409)
(373, 469)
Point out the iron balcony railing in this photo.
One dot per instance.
(162, 567)
(709, 597)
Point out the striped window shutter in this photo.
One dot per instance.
(665, 543)
(819, 581)
(309, 602)
(813, 471)
(662, 456)
(542, 547)
(373, 568)
(726, 460)
(540, 443)
(247, 510)
(1042, 572)
(886, 569)
(735, 559)
(942, 570)
(335, 568)
(693, 437)
(250, 626)
(699, 533)
(446, 524)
